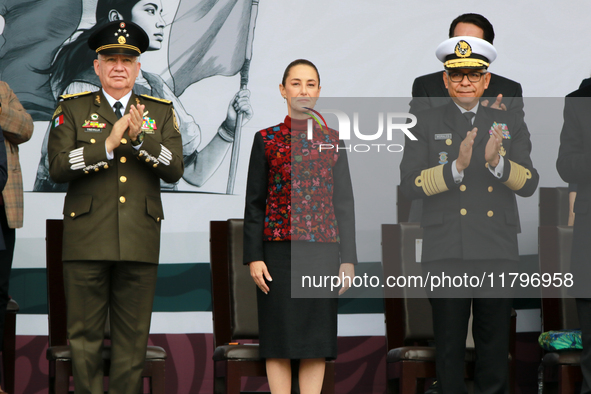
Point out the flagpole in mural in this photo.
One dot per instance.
(243, 85)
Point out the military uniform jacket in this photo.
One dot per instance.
(428, 91)
(574, 166)
(112, 209)
(474, 219)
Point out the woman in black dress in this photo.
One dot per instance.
(296, 194)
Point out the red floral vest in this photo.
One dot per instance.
(300, 183)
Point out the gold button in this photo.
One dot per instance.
(490, 189)
(140, 154)
(155, 165)
(490, 214)
(147, 159)
(73, 214)
(86, 172)
(123, 179)
(463, 211)
(106, 166)
(96, 169)
(448, 141)
(123, 141)
(92, 140)
(122, 199)
(157, 219)
(463, 188)
(123, 159)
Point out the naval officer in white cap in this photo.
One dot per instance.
(467, 164)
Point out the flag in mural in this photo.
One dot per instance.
(221, 28)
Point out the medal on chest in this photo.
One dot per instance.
(93, 125)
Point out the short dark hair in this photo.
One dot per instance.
(475, 19)
(297, 63)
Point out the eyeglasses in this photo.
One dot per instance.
(456, 76)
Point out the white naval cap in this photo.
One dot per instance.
(466, 52)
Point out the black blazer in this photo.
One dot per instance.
(476, 219)
(574, 166)
(428, 91)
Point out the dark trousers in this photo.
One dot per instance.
(125, 290)
(5, 267)
(490, 327)
(584, 311)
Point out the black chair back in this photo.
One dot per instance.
(553, 206)
(559, 310)
(242, 288)
(408, 311)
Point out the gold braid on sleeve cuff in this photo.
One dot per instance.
(517, 177)
(432, 181)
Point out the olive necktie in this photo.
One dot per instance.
(118, 107)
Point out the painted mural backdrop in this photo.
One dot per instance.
(44, 54)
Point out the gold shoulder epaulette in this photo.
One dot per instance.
(156, 99)
(74, 95)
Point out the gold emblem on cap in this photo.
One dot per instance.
(463, 49)
(121, 40)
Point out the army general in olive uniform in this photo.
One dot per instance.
(112, 147)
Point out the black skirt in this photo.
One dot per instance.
(297, 328)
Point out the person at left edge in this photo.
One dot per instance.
(16, 127)
(112, 147)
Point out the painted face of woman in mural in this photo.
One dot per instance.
(301, 89)
(148, 15)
